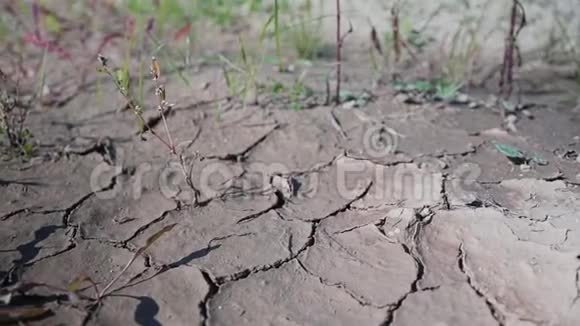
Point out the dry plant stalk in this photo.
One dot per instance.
(339, 43)
(163, 107)
(137, 253)
(338, 53)
(511, 52)
(78, 282)
(396, 32)
(399, 42)
(375, 41)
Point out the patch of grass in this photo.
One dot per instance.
(226, 13)
(460, 53)
(152, 21)
(571, 47)
(276, 18)
(296, 93)
(221, 12)
(357, 100)
(305, 32)
(241, 76)
(437, 89)
(166, 14)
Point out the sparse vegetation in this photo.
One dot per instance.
(570, 47)
(121, 79)
(304, 32)
(241, 76)
(296, 94)
(13, 114)
(459, 57)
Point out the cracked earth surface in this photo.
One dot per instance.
(302, 217)
(285, 236)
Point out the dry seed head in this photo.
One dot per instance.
(103, 60)
(160, 92)
(155, 69)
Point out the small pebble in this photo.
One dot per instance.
(401, 97)
(511, 122)
(462, 99)
(527, 114)
(473, 105)
(349, 105)
(525, 168)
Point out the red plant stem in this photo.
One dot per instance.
(396, 33)
(511, 48)
(510, 51)
(36, 18)
(338, 52)
(506, 79)
(512, 42)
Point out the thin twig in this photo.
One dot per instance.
(131, 261)
(339, 43)
(171, 144)
(338, 53)
(396, 32)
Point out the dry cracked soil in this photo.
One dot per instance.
(387, 214)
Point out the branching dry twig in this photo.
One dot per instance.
(140, 251)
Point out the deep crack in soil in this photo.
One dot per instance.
(462, 264)
(413, 232)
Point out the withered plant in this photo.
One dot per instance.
(13, 114)
(339, 43)
(122, 83)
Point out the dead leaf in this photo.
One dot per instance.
(78, 281)
(152, 239)
(155, 69)
(18, 314)
(182, 32)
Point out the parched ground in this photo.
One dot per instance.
(387, 214)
